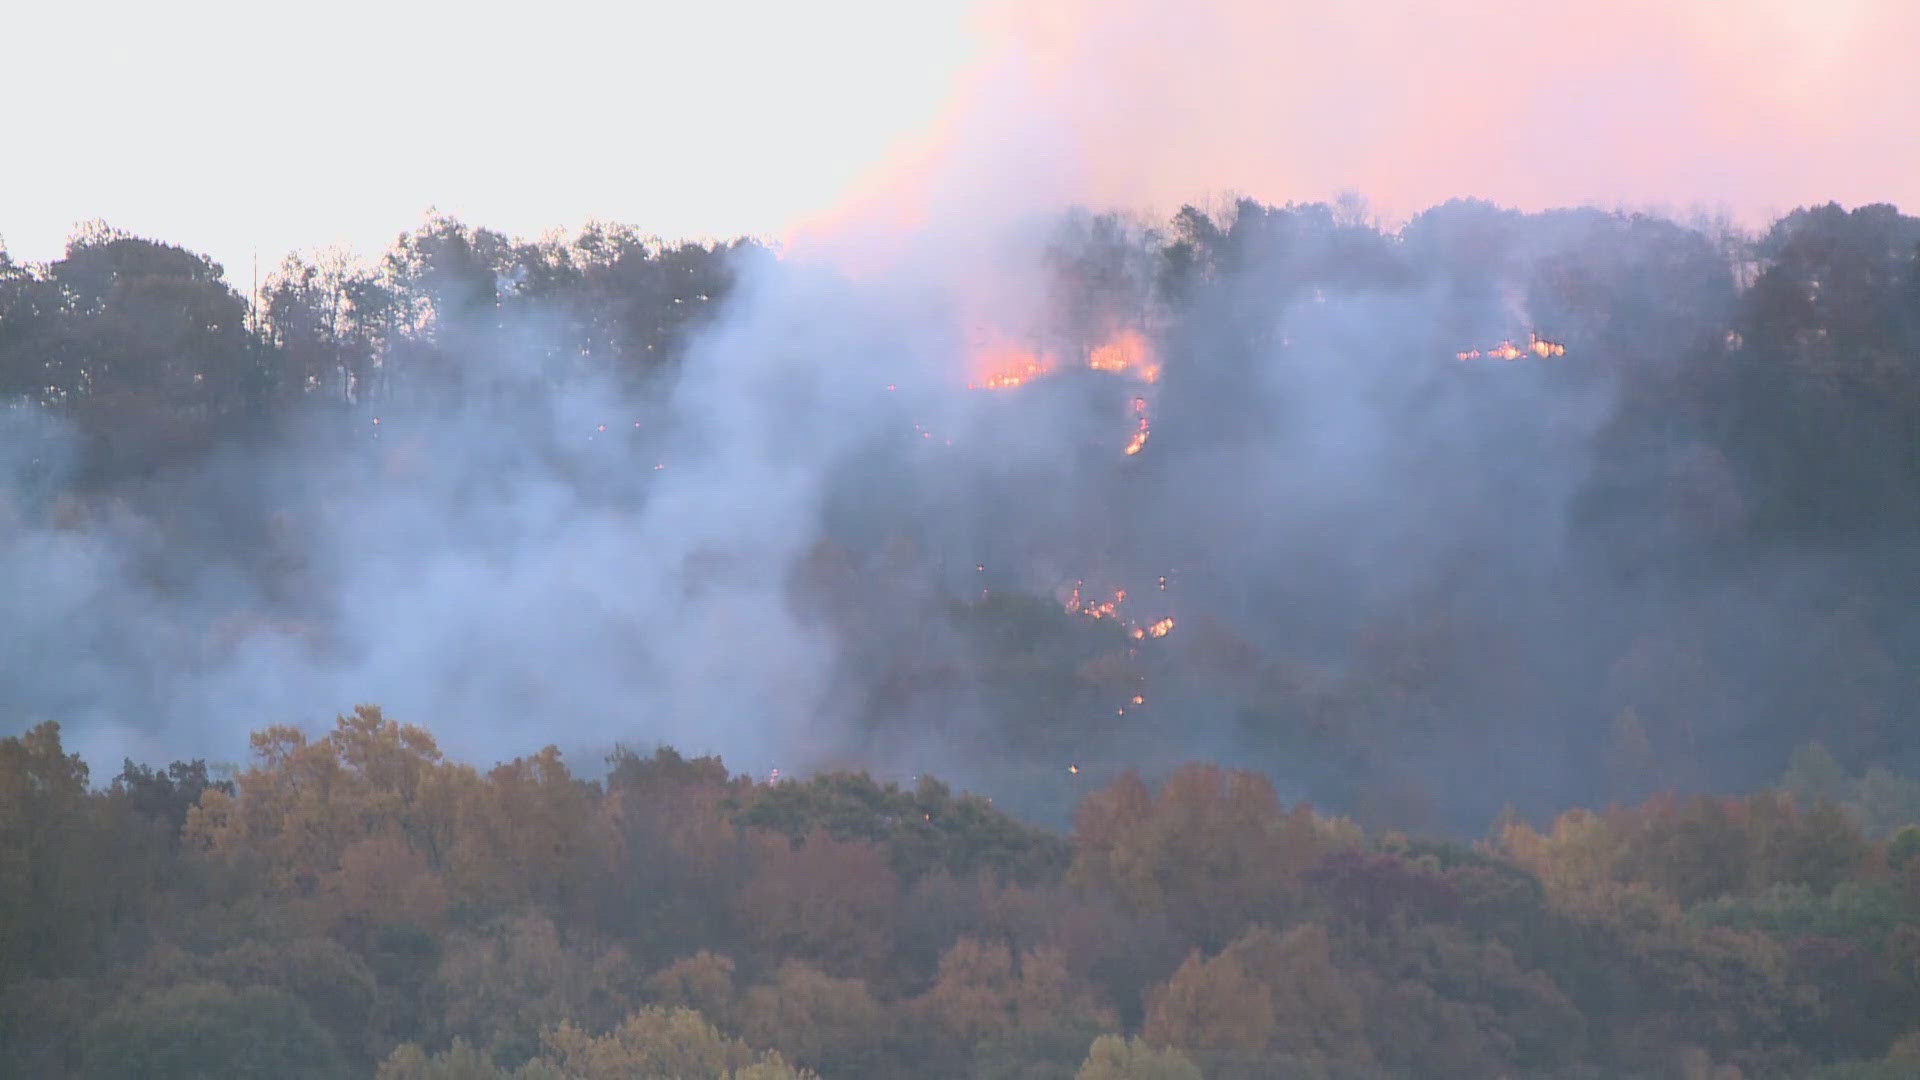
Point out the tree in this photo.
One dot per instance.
(1211, 1006)
(199, 1030)
(1318, 1016)
(702, 982)
(459, 1061)
(1213, 850)
(1818, 847)
(822, 1023)
(1904, 847)
(332, 321)
(986, 991)
(534, 831)
(303, 803)
(676, 1043)
(166, 795)
(1112, 1057)
(827, 901)
(63, 875)
(333, 984)
(44, 1024)
(500, 988)
(142, 343)
(922, 829)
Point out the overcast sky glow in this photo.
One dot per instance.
(230, 126)
(233, 127)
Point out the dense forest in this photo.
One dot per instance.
(1434, 534)
(356, 904)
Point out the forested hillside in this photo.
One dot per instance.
(1419, 571)
(1285, 585)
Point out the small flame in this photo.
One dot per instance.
(1161, 628)
(1006, 368)
(1075, 604)
(1507, 350)
(1127, 353)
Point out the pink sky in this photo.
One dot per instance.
(1749, 107)
(240, 126)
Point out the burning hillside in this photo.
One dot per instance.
(1076, 601)
(1128, 355)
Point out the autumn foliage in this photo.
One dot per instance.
(353, 903)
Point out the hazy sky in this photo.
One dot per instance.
(231, 126)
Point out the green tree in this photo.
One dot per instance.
(203, 1029)
(142, 343)
(63, 876)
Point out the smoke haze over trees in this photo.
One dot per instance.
(613, 489)
(1249, 565)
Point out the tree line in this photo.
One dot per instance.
(150, 349)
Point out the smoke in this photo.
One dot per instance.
(1684, 106)
(565, 561)
(507, 557)
(813, 546)
(1397, 580)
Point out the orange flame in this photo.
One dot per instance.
(1127, 353)
(1507, 350)
(1094, 609)
(1005, 368)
